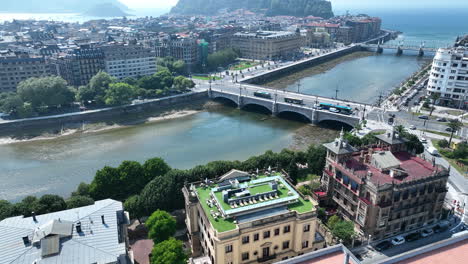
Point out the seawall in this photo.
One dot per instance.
(99, 115)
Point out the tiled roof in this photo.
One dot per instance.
(97, 243)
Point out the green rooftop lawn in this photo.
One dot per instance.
(260, 189)
(220, 224)
(302, 206)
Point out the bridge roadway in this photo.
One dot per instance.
(243, 95)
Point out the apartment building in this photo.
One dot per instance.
(19, 66)
(127, 60)
(248, 218)
(449, 77)
(179, 47)
(267, 45)
(80, 65)
(383, 189)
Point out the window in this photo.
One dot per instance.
(256, 237)
(245, 239)
(305, 244)
(245, 256)
(228, 248)
(306, 228)
(266, 234)
(277, 231)
(287, 229)
(286, 244)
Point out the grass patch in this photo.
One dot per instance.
(220, 224)
(206, 78)
(452, 162)
(302, 206)
(440, 133)
(243, 65)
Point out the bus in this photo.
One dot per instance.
(342, 109)
(293, 101)
(262, 94)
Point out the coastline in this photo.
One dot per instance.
(285, 81)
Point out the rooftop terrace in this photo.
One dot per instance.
(250, 199)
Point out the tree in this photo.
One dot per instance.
(79, 201)
(332, 221)
(181, 83)
(106, 184)
(10, 103)
(434, 97)
(96, 89)
(413, 143)
(6, 209)
(169, 251)
(454, 125)
(82, 190)
(45, 91)
(132, 177)
(161, 226)
(133, 206)
(344, 230)
(165, 78)
(443, 143)
(119, 94)
(155, 167)
(400, 130)
(157, 195)
(50, 203)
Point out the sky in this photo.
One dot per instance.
(368, 4)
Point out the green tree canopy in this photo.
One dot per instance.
(181, 83)
(119, 94)
(50, 203)
(161, 226)
(6, 209)
(344, 230)
(79, 201)
(222, 58)
(155, 167)
(133, 206)
(95, 91)
(45, 92)
(169, 251)
(454, 125)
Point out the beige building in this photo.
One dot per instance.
(267, 45)
(243, 218)
(384, 189)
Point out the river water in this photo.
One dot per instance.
(58, 165)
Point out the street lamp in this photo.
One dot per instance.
(368, 240)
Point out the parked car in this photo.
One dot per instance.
(412, 127)
(398, 240)
(442, 226)
(423, 140)
(433, 151)
(448, 129)
(383, 245)
(413, 237)
(423, 117)
(427, 232)
(441, 119)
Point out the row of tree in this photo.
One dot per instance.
(222, 58)
(37, 96)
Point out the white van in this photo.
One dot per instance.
(433, 151)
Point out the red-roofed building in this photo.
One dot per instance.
(383, 189)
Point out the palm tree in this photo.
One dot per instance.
(400, 130)
(454, 125)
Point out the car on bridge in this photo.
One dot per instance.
(334, 110)
(424, 117)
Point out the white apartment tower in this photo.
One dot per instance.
(449, 77)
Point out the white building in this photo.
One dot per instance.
(123, 60)
(91, 234)
(449, 77)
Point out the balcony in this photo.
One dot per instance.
(385, 204)
(266, 258)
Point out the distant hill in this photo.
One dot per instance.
(55, 6)
(320, 8)
(105, 10)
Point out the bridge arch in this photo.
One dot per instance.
(225, 100)
(259, 108)
(294, 115)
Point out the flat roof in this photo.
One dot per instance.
(251, 199)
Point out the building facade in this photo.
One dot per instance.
(384, 190)
(19, 66)
(244, 218)
(80, 65)
(126, 60)
(267, 45)
(180, 48)
(449, 77)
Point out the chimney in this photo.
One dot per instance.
(34, 217)
(102, 218)
(26, 241)
(369, 174)
(78, 228)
